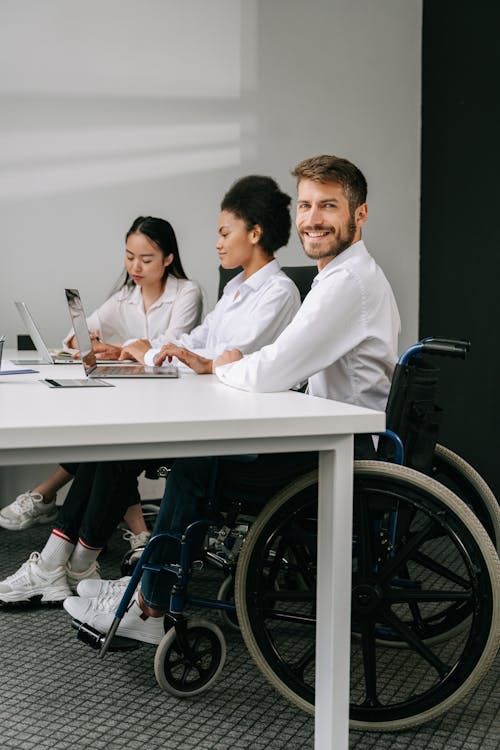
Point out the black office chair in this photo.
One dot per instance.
(301, 276)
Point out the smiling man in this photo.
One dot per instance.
(343, 341)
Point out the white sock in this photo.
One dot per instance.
(83, 556)
(57, 551)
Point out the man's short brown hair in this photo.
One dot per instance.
(329, 168)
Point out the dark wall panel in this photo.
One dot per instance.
(460, 241)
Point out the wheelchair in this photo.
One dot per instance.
(425, 584)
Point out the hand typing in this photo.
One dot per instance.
(200, 365)
(135, 350)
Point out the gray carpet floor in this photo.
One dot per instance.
(58, 694)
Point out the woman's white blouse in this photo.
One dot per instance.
(250, 314)
(122, 318)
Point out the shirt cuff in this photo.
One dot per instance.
(149, 357)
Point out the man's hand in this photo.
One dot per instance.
(230, 355)
(200, 365)
(135, 350)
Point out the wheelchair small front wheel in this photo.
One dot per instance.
(189, 668)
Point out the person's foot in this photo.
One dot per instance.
(28, 509)
(32, 583)
(74, 578)
(99, 613)
(93, 588)
(137, 540)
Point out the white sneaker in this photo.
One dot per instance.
(91, 589)
(32, 582)
(137, 540)
(99, 613)
(74, 578)
(28, 509)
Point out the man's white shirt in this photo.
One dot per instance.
(343, 339)
(250, 314)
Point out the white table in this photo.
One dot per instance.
(198, 416)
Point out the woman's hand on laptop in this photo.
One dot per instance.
(106, 351)
(135, 350)
(200, 365)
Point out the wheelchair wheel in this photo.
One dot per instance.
(421, 562)
(191, 668)
(226, 594)
(454, 472)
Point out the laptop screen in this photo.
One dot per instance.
(79, 321)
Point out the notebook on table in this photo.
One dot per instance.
(93, 370)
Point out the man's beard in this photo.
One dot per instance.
(339, 242)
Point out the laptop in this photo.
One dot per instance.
(45, 357)
(89, 361)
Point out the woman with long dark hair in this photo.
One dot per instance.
(155, 299)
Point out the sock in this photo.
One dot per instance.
(83, 556)
(57, 551)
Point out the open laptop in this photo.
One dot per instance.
(45, 357)
(89, 361)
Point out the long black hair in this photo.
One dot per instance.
(162, 234)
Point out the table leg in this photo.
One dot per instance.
(334, 596)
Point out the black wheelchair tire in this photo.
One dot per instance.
(449, 521)
(454, 472)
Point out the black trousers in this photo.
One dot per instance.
(99, 497)
(193, 481)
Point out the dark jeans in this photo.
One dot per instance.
(98, 498)
(188, 487)
(190, 483)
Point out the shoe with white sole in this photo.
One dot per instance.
(99, 613)
(91, 589)
(74, 578)
(28, 509)
(137, 540)
(33, 583)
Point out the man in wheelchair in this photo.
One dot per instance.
(342, 341)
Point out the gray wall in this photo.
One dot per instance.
(114, 108)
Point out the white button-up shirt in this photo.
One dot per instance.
(250, 314)
(343, 339)
(122, 317)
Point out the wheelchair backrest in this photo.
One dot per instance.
(413, 414)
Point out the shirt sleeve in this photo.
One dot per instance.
(195, 341)
(186, 312)
(328, 325)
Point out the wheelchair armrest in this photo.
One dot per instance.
(446, 347)
(432, 345)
